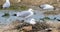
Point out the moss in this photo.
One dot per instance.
(46, 18)
(15, 7)
(23, 7)
(6, 15)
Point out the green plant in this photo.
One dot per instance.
(46, 18)
(6, 15)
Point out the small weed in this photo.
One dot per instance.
(6, 15)
(46, 18)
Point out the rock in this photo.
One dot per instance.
(31, 21)
(48, 29)
(57, 17)
(6, 14)
(27, 28)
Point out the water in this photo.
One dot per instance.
(38, 15)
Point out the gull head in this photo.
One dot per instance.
(30, 9)
(32, 21)
(7, 1)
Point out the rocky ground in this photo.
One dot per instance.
(46, 26)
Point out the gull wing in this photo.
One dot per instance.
(23, 14)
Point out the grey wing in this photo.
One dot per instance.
(24, 14)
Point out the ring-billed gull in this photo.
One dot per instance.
(6, 4)
(25, 14)
(47, 6)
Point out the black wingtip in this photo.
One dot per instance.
(14, 14)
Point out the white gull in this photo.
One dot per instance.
(6, 4)
(25, 14)
(47, 6)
